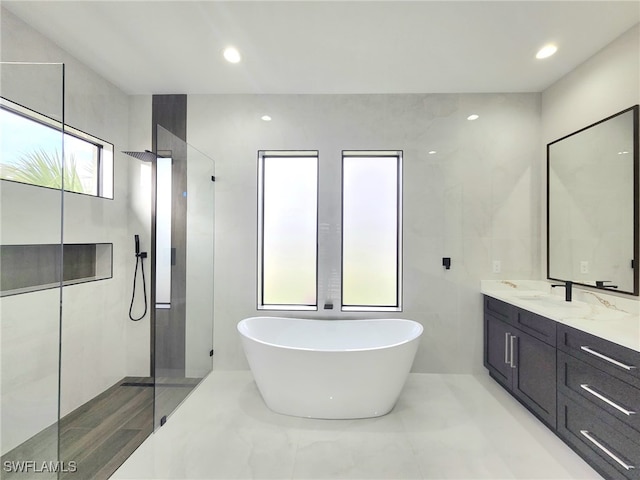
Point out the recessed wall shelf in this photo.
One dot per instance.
(29, 268)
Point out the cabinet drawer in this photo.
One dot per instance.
(609, 357)
(537, 326)
(618, 398)
(499, 309)
(612, 448)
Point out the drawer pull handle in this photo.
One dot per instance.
(586, 387)
(585, 433)
(608, 359)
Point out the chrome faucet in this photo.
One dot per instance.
(567, 289)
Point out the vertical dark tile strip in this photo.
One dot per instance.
(169, 111)
(168, 354)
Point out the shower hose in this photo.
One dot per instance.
(139, 257)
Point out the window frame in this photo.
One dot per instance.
(262, 155)
(398, 154)
(100, 145)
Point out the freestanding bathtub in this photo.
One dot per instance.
(330, 368)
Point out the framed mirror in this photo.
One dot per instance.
(593, 205)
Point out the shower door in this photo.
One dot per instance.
(183, 263)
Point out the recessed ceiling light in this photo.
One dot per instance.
(232, 55)
(266, 118)
(473, 117)
(623, 152)
(546, 51)
(432, 152)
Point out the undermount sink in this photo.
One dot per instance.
(526, 294)
(547, 300)
(568, 311)
(540, 297)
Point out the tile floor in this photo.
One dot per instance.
(443, 427)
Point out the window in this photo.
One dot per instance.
(371, 230)
(30, 152)
(287, 230)
(164, 252)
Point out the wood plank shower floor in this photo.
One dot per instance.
(98, 436)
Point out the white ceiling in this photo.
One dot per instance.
(329, 46)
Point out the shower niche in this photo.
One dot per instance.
(28, 268)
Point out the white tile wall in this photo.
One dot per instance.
(475, 200)
(604, 84)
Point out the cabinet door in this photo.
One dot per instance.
(497, 349)
(534, 382)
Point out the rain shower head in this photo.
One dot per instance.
(146, 156)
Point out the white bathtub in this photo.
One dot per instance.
(330, 368)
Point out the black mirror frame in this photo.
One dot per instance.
(636, 202)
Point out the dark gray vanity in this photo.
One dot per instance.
(583, 387)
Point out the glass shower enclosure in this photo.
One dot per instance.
(81, 384)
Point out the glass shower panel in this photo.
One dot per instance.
(183, 297)
(200, 246)
(31, 266)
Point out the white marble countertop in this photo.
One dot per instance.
(613, 318)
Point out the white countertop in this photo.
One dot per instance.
(613, 318)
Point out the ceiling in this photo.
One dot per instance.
(329, 46)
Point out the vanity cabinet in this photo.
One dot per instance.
(520, 354)
(599, 402)
(583, 387)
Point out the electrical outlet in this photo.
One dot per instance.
(584, 266)
(497, 266)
